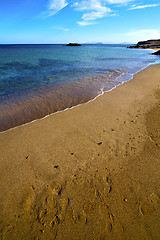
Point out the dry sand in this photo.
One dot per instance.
(91, 172)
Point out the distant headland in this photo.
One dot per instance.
(73, 44)
(147, 44)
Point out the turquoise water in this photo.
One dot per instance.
(36, 80)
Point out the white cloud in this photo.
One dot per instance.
(94, 15)
(93, 9)
(54, 7)
(89, 5)
(143, 6)
(145, 34)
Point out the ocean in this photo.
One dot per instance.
(38, 80)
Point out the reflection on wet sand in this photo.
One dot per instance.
(33, 104)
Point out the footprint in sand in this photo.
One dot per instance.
(79, 217)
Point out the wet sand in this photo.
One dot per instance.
(91, 172)
(20, 108)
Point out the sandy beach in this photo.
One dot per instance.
(91, 172)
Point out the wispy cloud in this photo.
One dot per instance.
(54, 6)
(92, 10)
(145, 34)
(143, 6)
(119, 1)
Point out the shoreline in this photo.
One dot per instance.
(91, 172)
(39, 105)
(85, 102)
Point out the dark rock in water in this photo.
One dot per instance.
(156, 53)
(73, 44)
(147, 44)
(137, 46)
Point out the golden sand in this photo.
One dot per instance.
(91, 172)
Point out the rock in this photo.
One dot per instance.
(73, 44)
(156, 53)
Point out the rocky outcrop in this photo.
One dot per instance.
(147, 44)
(73, 44)
(156, 53)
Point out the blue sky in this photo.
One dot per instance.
(63, 21)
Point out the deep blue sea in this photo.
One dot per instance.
(37, 80)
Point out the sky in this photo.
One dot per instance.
(82, 21)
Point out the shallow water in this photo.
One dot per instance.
(37, 80)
